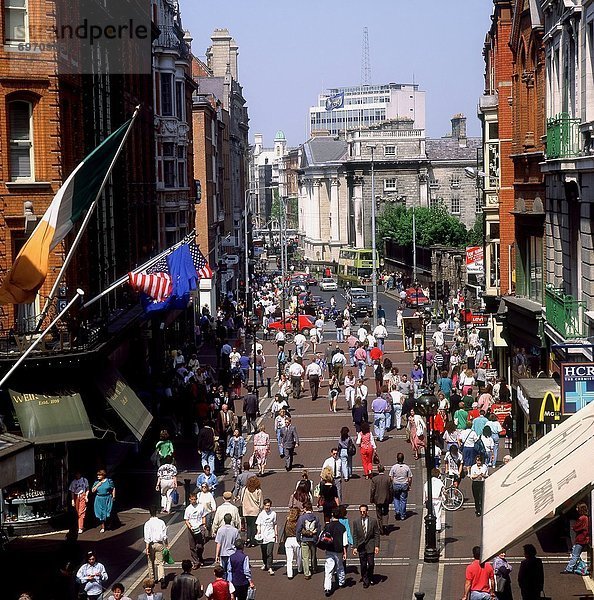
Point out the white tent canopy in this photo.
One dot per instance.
(523, 496)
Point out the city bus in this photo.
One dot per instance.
(355, 266)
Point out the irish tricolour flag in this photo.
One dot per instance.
(82, 187)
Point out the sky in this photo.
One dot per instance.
(290, 51)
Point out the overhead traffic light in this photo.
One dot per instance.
(432, 290)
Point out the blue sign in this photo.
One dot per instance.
(577, 385)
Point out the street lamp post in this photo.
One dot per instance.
(373, 238)
(426, 320)
(248, 294)
(255, 336)
(427, 405)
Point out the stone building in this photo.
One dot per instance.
(173, 87)
(569, 172)
(409, 169)
(322, 215)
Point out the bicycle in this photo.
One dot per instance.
(453, 498)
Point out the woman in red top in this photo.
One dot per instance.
(582, 537)
(367, 445)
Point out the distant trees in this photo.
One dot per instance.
(434, 225)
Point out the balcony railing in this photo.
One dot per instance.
(565, 314)
(563, 136)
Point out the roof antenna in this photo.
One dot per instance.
(365, 60)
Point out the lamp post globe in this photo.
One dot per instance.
(427, 405)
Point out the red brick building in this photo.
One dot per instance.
(495, 112)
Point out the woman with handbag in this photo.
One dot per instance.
(367, 447)
(502, 570)
(327, 494)
(346, 451)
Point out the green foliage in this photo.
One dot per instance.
(433, 226)
(476, 234)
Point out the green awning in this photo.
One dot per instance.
(125, 402)
(47, 419)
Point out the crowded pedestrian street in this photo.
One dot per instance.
(399, 567)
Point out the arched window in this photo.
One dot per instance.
(20, 135)
(16, 28)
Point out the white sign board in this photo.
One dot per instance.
(474, 260)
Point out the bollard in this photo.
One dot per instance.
(419, 595)
(187, 490)
(269, 386)
(290, 355)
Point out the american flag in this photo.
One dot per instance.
(202, 267)
(156, 285)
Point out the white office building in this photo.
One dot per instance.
(349, 108)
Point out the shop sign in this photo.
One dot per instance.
(474, 260)
(546, 410)
(501, 410)
(577, 385)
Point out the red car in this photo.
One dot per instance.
(306, 322)
(415, 297)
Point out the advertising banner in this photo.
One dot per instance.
(577, 386)
(474, 260)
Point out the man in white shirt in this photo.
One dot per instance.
(195, 518)
(296, 372)
(339, 362)
(319, 324)
(299, 344)
(155, 540)
(334, 463)
(438, 339)
(279, 338)
(380, 333)
(313, 374)
(361, 334)
(234, 358)
(436, 490)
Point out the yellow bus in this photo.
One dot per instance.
(355, 266)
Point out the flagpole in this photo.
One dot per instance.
(79, 294)
(84, 224)
(146, 265)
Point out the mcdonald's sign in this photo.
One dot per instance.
(547, 410)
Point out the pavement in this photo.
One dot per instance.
(400, 569)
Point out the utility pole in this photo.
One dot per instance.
(373, 238)
(414, 241)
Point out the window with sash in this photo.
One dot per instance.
(20, 119)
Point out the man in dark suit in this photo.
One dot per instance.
(149, 586)
(225, 424)
(381, 495)
(290, 440)
(366, 543)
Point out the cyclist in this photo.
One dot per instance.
(453, 465)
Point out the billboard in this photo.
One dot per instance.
(474, 260)
(577, 385)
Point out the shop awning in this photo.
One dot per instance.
(122, 398)
(542, 398)
(17, 459)
(48, 419)
(522, 496)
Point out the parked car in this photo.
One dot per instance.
(327, 284)
(306, 322)
(311, 280)
(415, 297)
(361, 302)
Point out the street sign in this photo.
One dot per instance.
(474, 260)
(231, 259)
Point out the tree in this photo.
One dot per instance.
(476, 233)
(434, 225)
